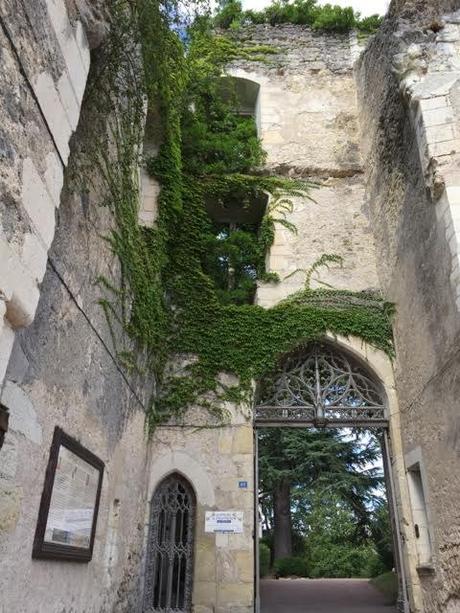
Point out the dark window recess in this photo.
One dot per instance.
(4, 417)
(232, 255)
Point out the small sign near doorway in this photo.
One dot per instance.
(243, 485)
(226, 522)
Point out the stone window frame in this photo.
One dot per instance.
(415, 464)
(52, 551)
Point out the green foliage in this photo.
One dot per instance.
(335, 19)
(333, 550)
(229, 14)
(188, 283)
(339, 519)
(387, 583)
(264, 559)
(369, 24)
(383, 540)
(316, 462)
(291, 567)
(328, 17)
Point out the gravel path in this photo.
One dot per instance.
(321, 596)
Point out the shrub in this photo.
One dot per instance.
(341, 560)
(264, 559)
(327, 17)
(334, 18)
(291, 567)
(229, 15)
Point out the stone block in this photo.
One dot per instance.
(243, 441)
(438, 117)
(227, 570)
(9, 457)
(225, 442)
(10, 506)
(68, 99)
(204, 593)
(244, 561)
(234, 608)
(240, 594)
(205, 567)
(38, 203)
(439, 134)
(437, 102)
(449, 34)
(436, 85)
(34, 256)
(222, 540)
(54, 177)
(75, 55)
(53, 109)
(448, 147)
(146, 219)
(23, 417)
(271, 137)
(453, 195)
(6, 344)
(18, 364)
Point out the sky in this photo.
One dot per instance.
(365, 7)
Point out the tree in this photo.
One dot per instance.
(294, 464)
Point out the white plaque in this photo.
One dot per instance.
(71, 511)
(227, 522)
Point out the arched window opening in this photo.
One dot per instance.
(243, 93)
(169, 568)
(232, 257)
(320, 385)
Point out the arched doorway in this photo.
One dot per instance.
(324, 385)
(169, 565)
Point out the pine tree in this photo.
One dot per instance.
(297, 464)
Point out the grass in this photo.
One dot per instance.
(388, 585)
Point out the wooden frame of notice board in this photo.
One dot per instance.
(69, 505)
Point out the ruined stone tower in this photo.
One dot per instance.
(375, 124)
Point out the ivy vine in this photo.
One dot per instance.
(172, 303)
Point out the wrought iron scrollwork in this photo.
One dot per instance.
(321, 386)
(169, 567)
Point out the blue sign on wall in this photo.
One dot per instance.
(243, 485)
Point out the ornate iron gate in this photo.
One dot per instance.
(320, 386)
(169, 568)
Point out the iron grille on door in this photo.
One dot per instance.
(319, 386)
(169, 569)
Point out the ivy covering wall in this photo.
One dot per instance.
(188, 283)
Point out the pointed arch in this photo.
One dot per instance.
(321, 383)
(170, 546)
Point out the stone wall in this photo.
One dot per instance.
(409, 100)
(214, 461)
(63, 370)
(308, 121)
(45, 62)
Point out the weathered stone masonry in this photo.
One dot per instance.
(387, 204)
(62, 369)
(408, 80)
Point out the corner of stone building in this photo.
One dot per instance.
(409, 109)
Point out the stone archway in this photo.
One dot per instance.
(339, 382)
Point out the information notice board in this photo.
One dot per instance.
(227, 522)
